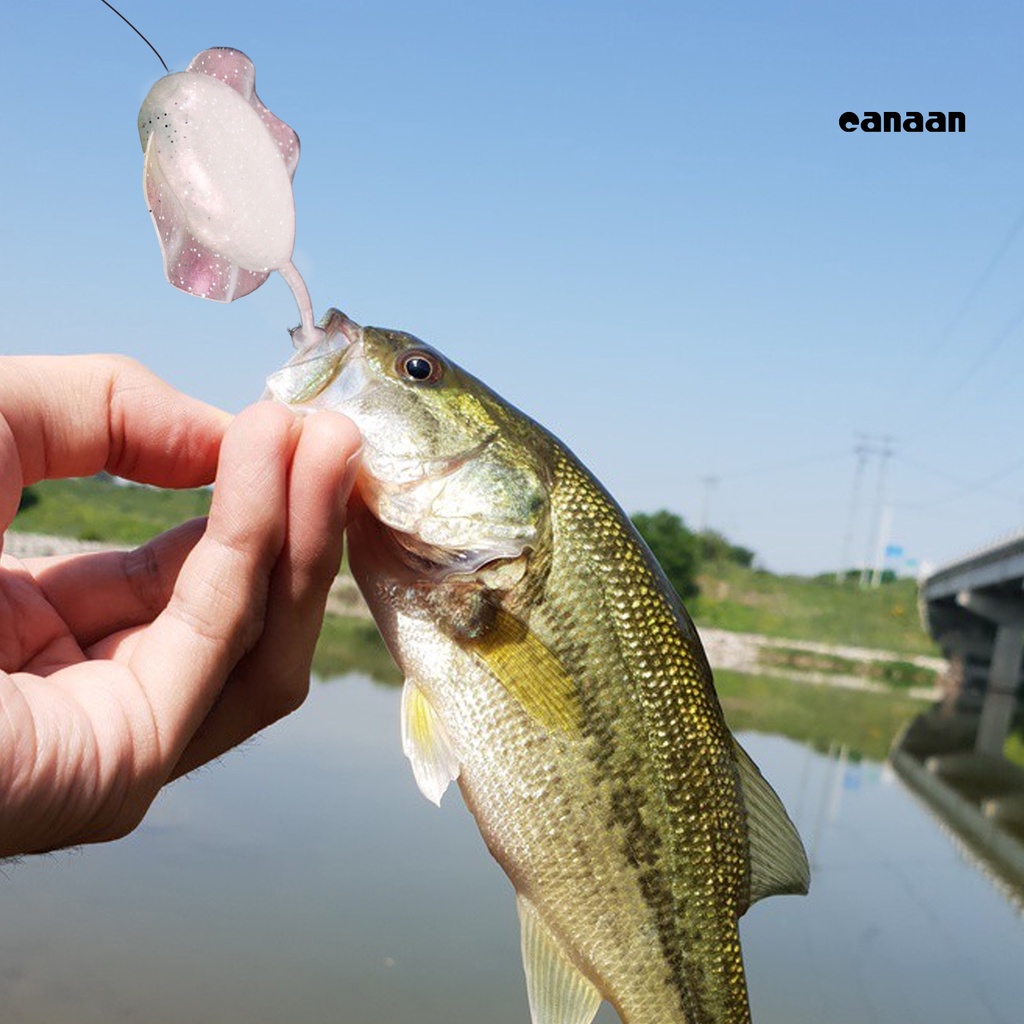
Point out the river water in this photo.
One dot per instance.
(305, 879)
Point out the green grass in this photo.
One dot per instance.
(751, 601)
(1013, 750)
(900, 675)
(94, 508)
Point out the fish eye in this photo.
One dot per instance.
(420, 367)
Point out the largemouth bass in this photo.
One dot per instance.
(552, 670)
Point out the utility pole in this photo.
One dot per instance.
(875, 551)
(884, 531)
(861, 450)
(710, 483)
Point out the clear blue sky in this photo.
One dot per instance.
(638, 221)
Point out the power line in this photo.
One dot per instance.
(712, 480)
(946, 332)
(987, 354)
(947, 410)
(964, 488)
(783, 467)
(982, 279)
(866, 447)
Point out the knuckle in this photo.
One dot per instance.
(126, 366)
(218, 618)
(142, 572)
(121, 373)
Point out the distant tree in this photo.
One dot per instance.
(674, 546)
(854, 575)
(714, 547)
(845, 575)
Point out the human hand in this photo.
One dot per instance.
(121, 670)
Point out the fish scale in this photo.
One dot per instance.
(509, 765)
(683, 738)
(552, 670)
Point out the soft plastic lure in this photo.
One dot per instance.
(218, 183)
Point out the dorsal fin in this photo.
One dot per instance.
(778, 863)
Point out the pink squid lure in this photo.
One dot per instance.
(218, 182)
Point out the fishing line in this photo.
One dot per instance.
(138, 33)
(785, 467)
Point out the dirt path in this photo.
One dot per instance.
(742, 652)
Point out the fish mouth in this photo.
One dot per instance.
(312, 368)
(333, 323)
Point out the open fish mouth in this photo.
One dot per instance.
(314, 367)
(339, 330)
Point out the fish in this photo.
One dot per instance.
(552, 671)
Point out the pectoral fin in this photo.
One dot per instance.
(521, 662)
(425, 742)
(558, 991)
(778, 863)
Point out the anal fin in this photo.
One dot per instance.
(558, 991)
(425, 742)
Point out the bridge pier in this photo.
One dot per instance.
(1000, 701)
(974, 608)
(1001, 694)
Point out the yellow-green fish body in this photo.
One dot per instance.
(552, 670)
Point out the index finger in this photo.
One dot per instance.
(78, 415)
(217, 608)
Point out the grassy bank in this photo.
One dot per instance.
(95, 508)
(900, 675)
(800, 608)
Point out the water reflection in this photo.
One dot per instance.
(306, 879)
(897, 928)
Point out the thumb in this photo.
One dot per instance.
(217, 609)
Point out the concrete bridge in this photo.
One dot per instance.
(974, 608)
